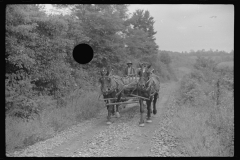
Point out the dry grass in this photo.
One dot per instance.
(206, 129)
(20, 133)
(192, 131)
(203, 128)
(200, 135)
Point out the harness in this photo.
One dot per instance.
(112, 89)
(149, 87)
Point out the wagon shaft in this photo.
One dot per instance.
(123, 98)
(105, 99)
(122, 103)
(140, 97)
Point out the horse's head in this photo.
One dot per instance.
(104, 72)
(105, 82)
(144, 75)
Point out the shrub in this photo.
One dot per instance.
(222, 120)
(88, 106)
(190, 91)
(197, 75)
(207, 130)
(165, 58)
(204, 63)
(172, 73)
(215, 132)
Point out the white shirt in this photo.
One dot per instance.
(129, 70)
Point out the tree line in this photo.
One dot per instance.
(39, 49)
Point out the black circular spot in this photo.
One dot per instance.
(83, 53)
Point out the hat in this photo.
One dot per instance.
(146, 63)
(129, 62)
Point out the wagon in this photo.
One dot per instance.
(125, 99)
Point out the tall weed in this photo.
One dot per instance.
(206, 130)
(21, 133)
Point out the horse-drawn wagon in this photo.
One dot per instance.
(116, 91)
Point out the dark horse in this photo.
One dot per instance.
(148, 87)
(114, 86)
(110, 87)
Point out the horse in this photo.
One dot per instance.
(110, 87)
(148, 87)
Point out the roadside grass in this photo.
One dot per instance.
(202, 127)
(52, 119)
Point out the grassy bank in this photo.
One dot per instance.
(204, 121)
(52, 119)
(206, 130)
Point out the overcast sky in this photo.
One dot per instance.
(184, 27)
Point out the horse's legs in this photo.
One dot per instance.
(117, 106)
(154, 103)
(117, 112)
(109, 114)
(141, 123)
(113, 109)
(149, 110)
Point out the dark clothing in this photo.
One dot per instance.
(138, 71)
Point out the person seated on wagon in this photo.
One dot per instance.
(129, 71)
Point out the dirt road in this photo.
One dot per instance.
(122, 138)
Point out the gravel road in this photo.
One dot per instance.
(123, 138)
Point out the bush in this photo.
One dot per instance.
(197, 75)
(207, 130)
(190, 91)
(165, 58)
(212, 134)
(172, 73)
(162, 69)
(204, 63)
(222, 120)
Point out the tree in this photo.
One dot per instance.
(165, 58)
(20, 56)
(101, 24)
(143, 21)
(140, 34)
(39, 48)
(36, 50)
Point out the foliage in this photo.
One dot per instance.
(211, 89)
(101, 24)
(21, 133)
(165, 58)
(41, 74)
(143, 21)
(139, 34)
(204, 63)
(190, 91)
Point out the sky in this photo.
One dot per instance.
(185, 27)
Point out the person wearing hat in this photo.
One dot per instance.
(129, 71)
